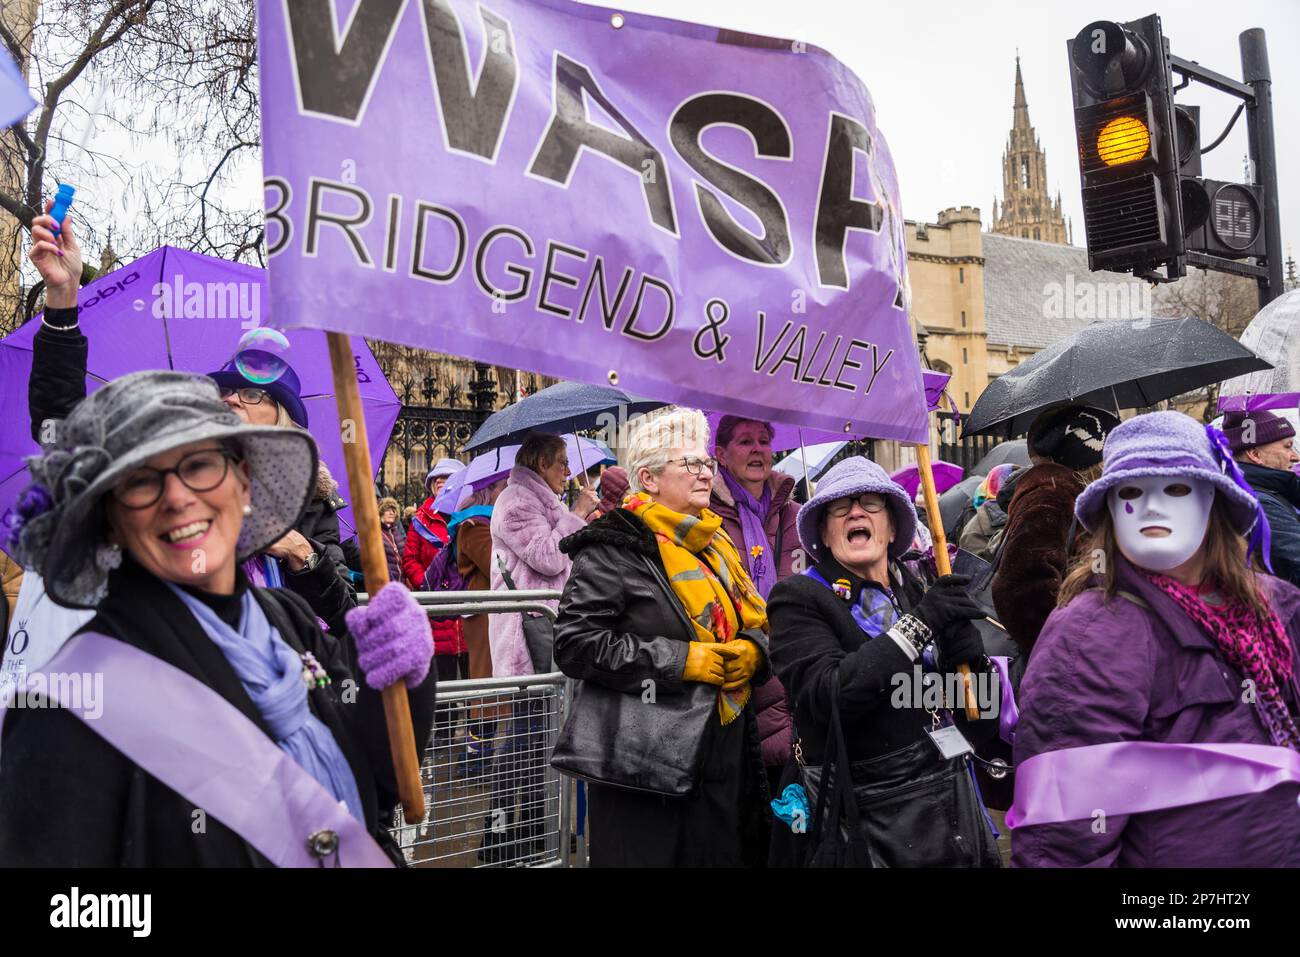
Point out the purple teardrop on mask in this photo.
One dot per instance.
(1128, 508)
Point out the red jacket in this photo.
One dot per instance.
(418, 554)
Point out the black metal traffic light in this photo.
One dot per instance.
(1128, 150)
(1229, 221)
(1221, 219)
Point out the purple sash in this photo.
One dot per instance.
(1136, 777)
(199, 745)
(424, 532)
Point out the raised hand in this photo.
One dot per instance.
(57, 258)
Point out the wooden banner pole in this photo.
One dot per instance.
(941, 562)
(356, 455)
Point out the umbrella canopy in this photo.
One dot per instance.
(946, 475)
(174, 309)
(1111, 365)
(1016, 452)
(563, 407)
(1273, 335)
(495, 465)
(818, 457)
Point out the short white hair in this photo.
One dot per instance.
(657, 433)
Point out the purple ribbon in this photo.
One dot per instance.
(198, 744)
(1009, 713)
(1254, 403)
(1261, 535)
(1138, 777)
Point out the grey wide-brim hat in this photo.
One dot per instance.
(853, 476)
(119, 428)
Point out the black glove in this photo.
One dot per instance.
(959, 645)
(945, 603)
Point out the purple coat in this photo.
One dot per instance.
(1116, 671)
(770, 706)
(528, 522)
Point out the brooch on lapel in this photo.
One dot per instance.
(843, 589)
(313, 675)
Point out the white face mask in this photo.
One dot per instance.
(1182, 506)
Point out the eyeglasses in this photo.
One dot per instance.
(247, 395)
(200, 471)
(695, 465)
(870, 502)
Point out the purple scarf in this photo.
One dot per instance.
(753, 514)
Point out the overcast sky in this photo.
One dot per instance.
(942, 75)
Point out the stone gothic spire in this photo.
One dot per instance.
(1028, 210)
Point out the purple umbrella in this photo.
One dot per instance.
(174, 309)
(946, 475)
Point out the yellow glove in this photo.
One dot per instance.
(704, 662)
(743, 658)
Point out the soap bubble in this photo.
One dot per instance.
(261, 356)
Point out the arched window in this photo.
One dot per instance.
(941, 366)
(1024, 172)
(1036, 236)
(1024, 234)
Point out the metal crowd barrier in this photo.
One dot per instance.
(491, 796)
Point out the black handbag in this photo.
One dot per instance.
(659, 748)
(622, 739)
(908, 808)
(539, 631)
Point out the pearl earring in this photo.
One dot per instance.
(108, 557)
(248, 510)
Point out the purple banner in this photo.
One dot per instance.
(694, 214)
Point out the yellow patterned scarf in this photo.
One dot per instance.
(709, 578)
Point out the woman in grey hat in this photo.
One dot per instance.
(223, 727)
(854, 635)
(308, 558)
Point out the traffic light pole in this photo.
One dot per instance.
(1259, 124)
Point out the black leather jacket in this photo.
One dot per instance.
(619, 621)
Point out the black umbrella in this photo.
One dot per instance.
(1111, 365)
(954, 501)
(560, 408)
(1016, 452)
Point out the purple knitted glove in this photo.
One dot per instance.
(393, 638)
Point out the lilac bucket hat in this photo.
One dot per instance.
(1175, 445)
(444, 469)
(853, 476)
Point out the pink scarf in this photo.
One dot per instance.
(1259, 649)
